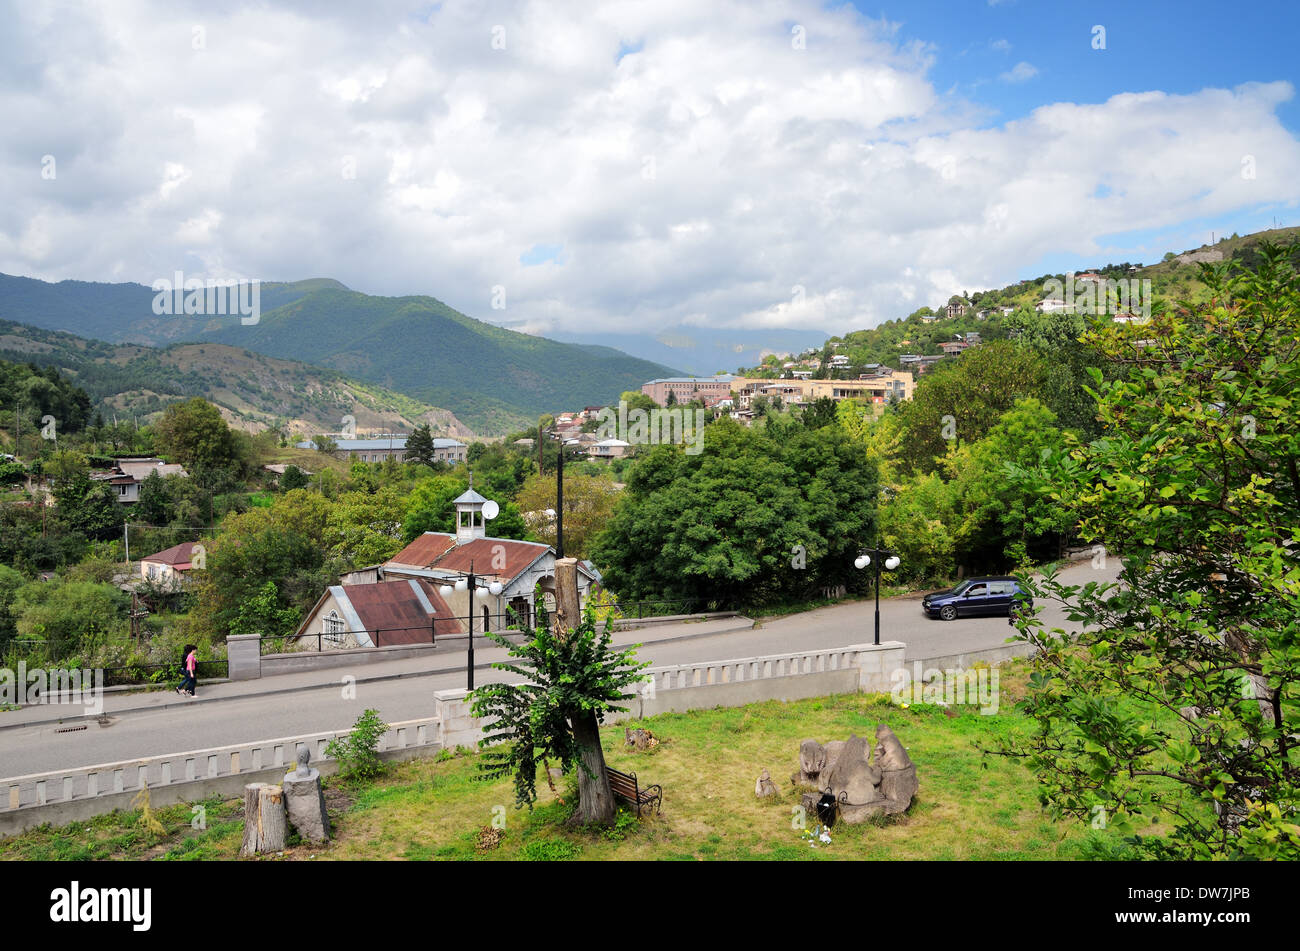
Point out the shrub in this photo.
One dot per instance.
(357, 752)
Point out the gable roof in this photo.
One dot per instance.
(395, 612)
(439, 551)
(424, 551)
(487, 553)
(177, 555)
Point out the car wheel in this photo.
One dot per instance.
(948, 612)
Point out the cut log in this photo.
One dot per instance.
(568, 612)
(264, 819)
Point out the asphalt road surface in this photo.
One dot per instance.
(38, 748)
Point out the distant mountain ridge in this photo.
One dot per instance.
(492, 378)
(703, 351)
(253, 391)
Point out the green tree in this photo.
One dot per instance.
(293, 478)
(961, 400)
(365, 528)
(10, 582)
(588, 503)
(571, 679)
(821, 412)
(998, 523)
(68, 619)
(419, 446)
(87, 506)
(262, 614)
(762, 515)
(1178, 700)
(429, 508)
(155, 501)
(195, 435)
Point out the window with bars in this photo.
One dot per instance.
(332, 628)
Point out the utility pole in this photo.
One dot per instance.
(559, 504)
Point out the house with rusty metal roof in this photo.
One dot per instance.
(378, 614)
(518, 567)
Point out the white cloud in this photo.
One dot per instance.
(694, 182)
(1019, 73)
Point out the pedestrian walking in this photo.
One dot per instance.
(189, 666)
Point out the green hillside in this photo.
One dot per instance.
(254, 392)
(1172, 280)
(493, 379)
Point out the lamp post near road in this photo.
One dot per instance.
(469, 583)
(875, 556)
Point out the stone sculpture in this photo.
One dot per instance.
(898, 774)
(305, 802)
(861, 786)
(765, 786)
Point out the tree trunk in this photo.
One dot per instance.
(264, 819)
(595, 800)
(568, 609)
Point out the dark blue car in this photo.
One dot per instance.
(976, 597)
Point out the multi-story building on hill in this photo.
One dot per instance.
(688, 388)
(393, 446)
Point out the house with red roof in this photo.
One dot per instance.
(508, 571)
(377, 614)
(168, 567)
(422, 592)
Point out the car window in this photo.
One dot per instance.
(1000, 587)
(977, 590)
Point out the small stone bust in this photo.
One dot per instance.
(303, 770)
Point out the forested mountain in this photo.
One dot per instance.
(492, 378)
(254, 392)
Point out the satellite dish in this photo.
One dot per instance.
(491, 510)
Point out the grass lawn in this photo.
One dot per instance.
(968, 807)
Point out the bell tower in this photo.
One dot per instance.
(469, 515)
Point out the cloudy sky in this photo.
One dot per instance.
(626, 166)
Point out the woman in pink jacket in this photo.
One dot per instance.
(191, 664)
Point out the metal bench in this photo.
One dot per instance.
(625, 786)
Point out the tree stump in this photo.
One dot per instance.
(568, 612)
(264, 819)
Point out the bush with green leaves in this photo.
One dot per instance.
(357, 753)
(1179, 698)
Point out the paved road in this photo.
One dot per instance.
(244, 716)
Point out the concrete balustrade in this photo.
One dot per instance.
(174, 777)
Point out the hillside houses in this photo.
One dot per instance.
(127, 475)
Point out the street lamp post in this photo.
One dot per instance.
(874, 556)
(469, 583)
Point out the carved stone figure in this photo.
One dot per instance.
(304, 800)
(898, 774)
(862, 787)
(765, 786)
(812, 760)
(854, 781)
